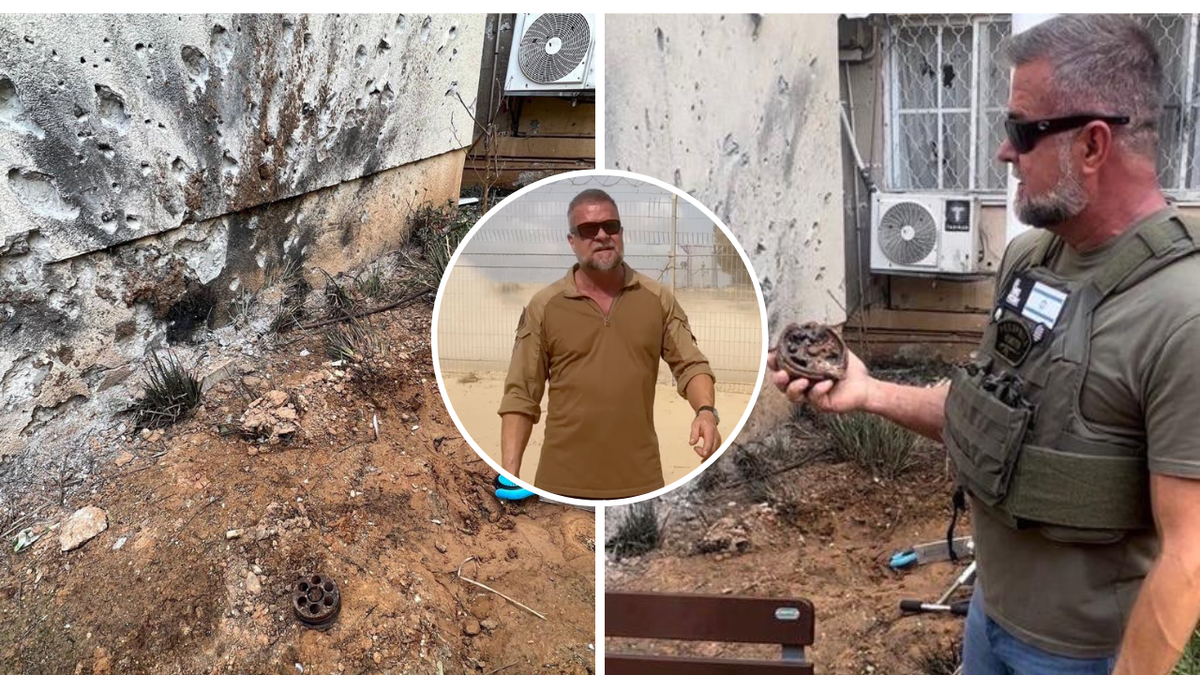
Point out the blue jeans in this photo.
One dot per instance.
(988, 649)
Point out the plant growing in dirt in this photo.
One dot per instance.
(712, 478)
(289, 279)
(638, 532)
(871, 442)
(172, 391)
(338, 298)
(369, 282)
(354, 341)
(239, 307)
(754, 471)
(760, 464)
(435, 232)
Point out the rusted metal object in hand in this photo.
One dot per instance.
(316, 601)
(812, 351)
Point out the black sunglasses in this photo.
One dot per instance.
(1024, 136)
(590, 230)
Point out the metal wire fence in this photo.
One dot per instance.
(502, 267)
(946, 88)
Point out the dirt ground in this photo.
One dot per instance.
(207, 532)
(829, 544)
(476, 397)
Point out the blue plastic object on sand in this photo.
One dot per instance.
(509, 491)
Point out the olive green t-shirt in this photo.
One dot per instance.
(602, 370)
(1142, 383)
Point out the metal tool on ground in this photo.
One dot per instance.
(958, 608)
(934, 551)
(917, 607)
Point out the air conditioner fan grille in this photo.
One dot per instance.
(553, 46)
(907, 233)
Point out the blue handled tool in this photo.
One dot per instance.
(903, 559)
(934, 551)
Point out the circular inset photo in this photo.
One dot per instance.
(599, 336)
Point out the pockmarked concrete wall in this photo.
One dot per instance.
(153, 166)
(741, 111)
(116, 127)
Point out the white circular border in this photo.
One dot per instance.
(762, 309)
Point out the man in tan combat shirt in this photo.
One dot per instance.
(597, 336)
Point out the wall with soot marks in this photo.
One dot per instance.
(741, 111)
(116, 127)
(153, 163)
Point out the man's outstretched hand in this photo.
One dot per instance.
(846, 395)
(704, 428)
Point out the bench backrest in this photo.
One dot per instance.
(714, 618)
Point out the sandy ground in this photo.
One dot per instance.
(475, 398)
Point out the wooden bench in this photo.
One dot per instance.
(711, 618)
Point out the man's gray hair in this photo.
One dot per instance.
(591, 196)
(1102, 63)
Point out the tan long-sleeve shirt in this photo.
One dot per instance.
(600, 440)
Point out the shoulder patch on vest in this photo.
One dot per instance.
(1013, 341)
(1044, 304)
(1015, 297)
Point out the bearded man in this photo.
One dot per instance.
(597, 336)
(1075, 431)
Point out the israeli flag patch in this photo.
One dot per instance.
(1044, 304)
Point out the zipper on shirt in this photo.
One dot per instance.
(611, 308)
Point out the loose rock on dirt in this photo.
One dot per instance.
(81, 527)
(727, 534)
(271, 418)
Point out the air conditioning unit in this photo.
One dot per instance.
(925, 234)
(552, 54)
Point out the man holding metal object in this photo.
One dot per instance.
(1075, 429)
(597, 336)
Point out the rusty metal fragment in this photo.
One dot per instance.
(812, 351)
(316, 601)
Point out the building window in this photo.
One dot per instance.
(1178, 156)
(945, 92)
(945, 103)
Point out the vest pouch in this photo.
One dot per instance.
(1078, 497)
(983, 436)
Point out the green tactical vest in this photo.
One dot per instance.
(1013, 424)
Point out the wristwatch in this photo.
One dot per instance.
(710, 409)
